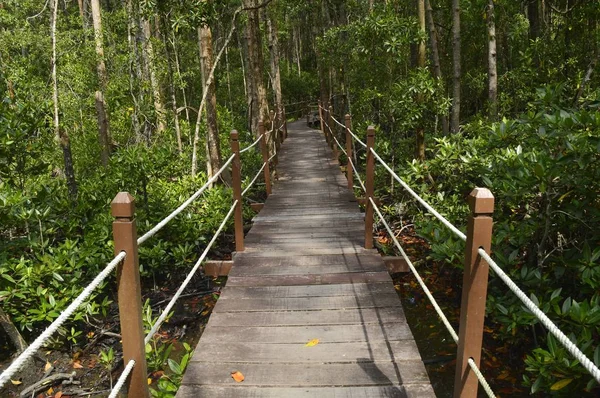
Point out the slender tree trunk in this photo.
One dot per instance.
(533, 14)
(455, 116)
(101, 108)
(135, 71)
(420, 134)
(178, 68)
(275, 71)
(213, 154)
(492, 69)
(260, 109)
(12, 332)
(172, 93)
(61, 135)
(150, 56)
(588, 76)
(435, 57)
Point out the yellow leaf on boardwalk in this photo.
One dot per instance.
(312, 343)
(559, 385)
(237, 376)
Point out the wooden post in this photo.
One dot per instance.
(285, 131)
(334, 145)
(369, 185)
(236, 177)
(347, 123)
(475, 281)
(321, 119)
(265, 156)
(129, 294)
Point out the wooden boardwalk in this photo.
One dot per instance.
(305, 275)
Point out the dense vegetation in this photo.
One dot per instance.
(528, 128)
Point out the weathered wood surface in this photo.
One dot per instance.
(305, 275)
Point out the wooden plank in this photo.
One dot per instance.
(296, 353)
(403, 391)
(307, 303)
(351, 316)
(301, 334)
(217, 268)
(231, 292)
(357, 374)
(308, 279)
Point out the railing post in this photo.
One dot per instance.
(129, 293)
(285, 131)
(347, 123)
(236, 177)
(474, 293)
(334, 146)
(321, 120)
(369, 186)
(265, 156)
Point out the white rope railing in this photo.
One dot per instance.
(548, 324)
(481, 378)
(444, 221)
(344, 126)
(432, 300)
(252, 145)
(272, 156)
(28, 353)
(351, 164)
(121, 381)
(187, 280)
(254, 179)
(185, 204)
(529, 304)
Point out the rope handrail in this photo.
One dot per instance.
(18, 363)
(253, 180)
(529, 304)
(251, 145)
(542, 317)
(352, 164)
(344, 126)
(187, 280)
(185, 204)
(121, 381)
(427, 206)
(433, 301)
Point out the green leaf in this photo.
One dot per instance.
(536, 386)
(559, 385)
(57, 277)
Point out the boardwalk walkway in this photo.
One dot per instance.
(305, 275)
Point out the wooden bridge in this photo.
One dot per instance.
(305, 275)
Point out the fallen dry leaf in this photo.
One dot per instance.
(58, 394)
(47, 367)
(50, 391)
(77, 365)
(312, 343)
(237, 376)
(149, 381)
(16, 382)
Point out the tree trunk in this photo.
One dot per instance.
(435, 57)
(275, 71)
(178, 68)
(420, 133)
(455, 116)
(159, 107)
(533, 14)
(103, 120)
(172, 91)
(260, 108)
(61, 135)
(492, 69)
(12, 332)
(135, 71)
(213, 154)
